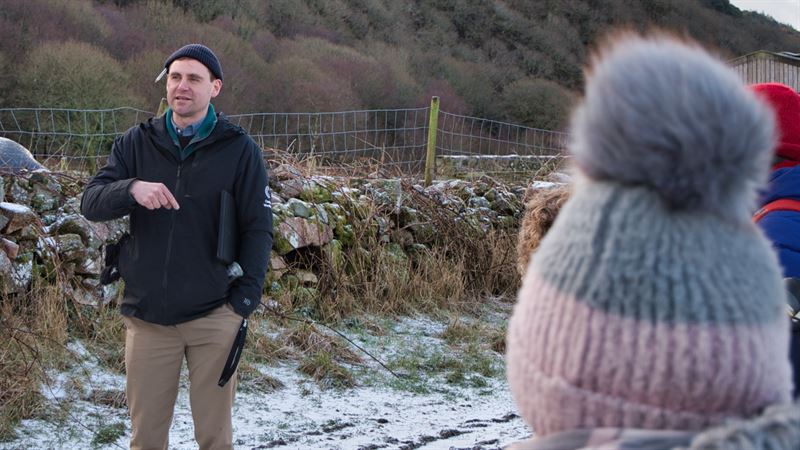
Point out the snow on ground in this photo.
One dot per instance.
(302, 415)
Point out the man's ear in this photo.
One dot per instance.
(216, 88)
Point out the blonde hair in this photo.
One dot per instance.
(540, 213)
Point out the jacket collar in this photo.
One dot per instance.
(203, 131)
(216, 126)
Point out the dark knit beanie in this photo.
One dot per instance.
(200, 53)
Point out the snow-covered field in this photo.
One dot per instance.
(302, 415)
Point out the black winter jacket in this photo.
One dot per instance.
(169, 266)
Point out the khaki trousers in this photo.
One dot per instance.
(153, 357)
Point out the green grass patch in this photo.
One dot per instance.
(108, 434)
(322, 367)
(468, 368)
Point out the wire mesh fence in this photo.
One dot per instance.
(392, 141)
(68, 139)
(470, 145)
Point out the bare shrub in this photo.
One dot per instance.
(73, 75)
(371, 81)
(398, 61)
(299, 85)
(449, 99)
(37, 21)
(537, 103)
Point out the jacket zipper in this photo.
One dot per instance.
(169, 241)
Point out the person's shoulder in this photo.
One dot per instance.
(234, 132)
(228, 127)
(133, 137)
(151, 125)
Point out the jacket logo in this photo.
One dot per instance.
(267, 198)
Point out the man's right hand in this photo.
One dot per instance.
(152, 195)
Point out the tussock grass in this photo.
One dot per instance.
(458, 332)
(252, 378)
(321, 366)
(307, 339)
(324, 356)
(264, 349)
(114, 398)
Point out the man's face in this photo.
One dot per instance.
(190, 90)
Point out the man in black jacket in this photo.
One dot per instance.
(168, 174)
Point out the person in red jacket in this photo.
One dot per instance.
(779, 214)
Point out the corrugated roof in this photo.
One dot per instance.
(790, 57)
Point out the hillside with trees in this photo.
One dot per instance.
(514, 60)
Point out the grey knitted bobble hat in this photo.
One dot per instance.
(654, 302)
(200, 53)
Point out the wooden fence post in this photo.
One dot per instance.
(433, 123)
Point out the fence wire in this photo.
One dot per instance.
(68, 139)
(392, 141)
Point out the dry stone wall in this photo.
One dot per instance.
(45, 239)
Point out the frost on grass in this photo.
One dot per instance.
(452, 395)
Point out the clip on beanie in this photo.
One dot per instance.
(198, 52)
(653, 302)
(786, 104)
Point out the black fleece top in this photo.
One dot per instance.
(169, 263)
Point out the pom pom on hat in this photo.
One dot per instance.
(665, 114)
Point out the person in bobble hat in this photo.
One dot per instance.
(652, 315)
(172, 176)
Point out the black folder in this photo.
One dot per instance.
(228, 238)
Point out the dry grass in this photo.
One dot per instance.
(33, 335)
(34, 331)
(461, 265)
(262, 348)
(254, 379)
(307, 339)
(326, 371)
(103, 332)
(462, 334)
